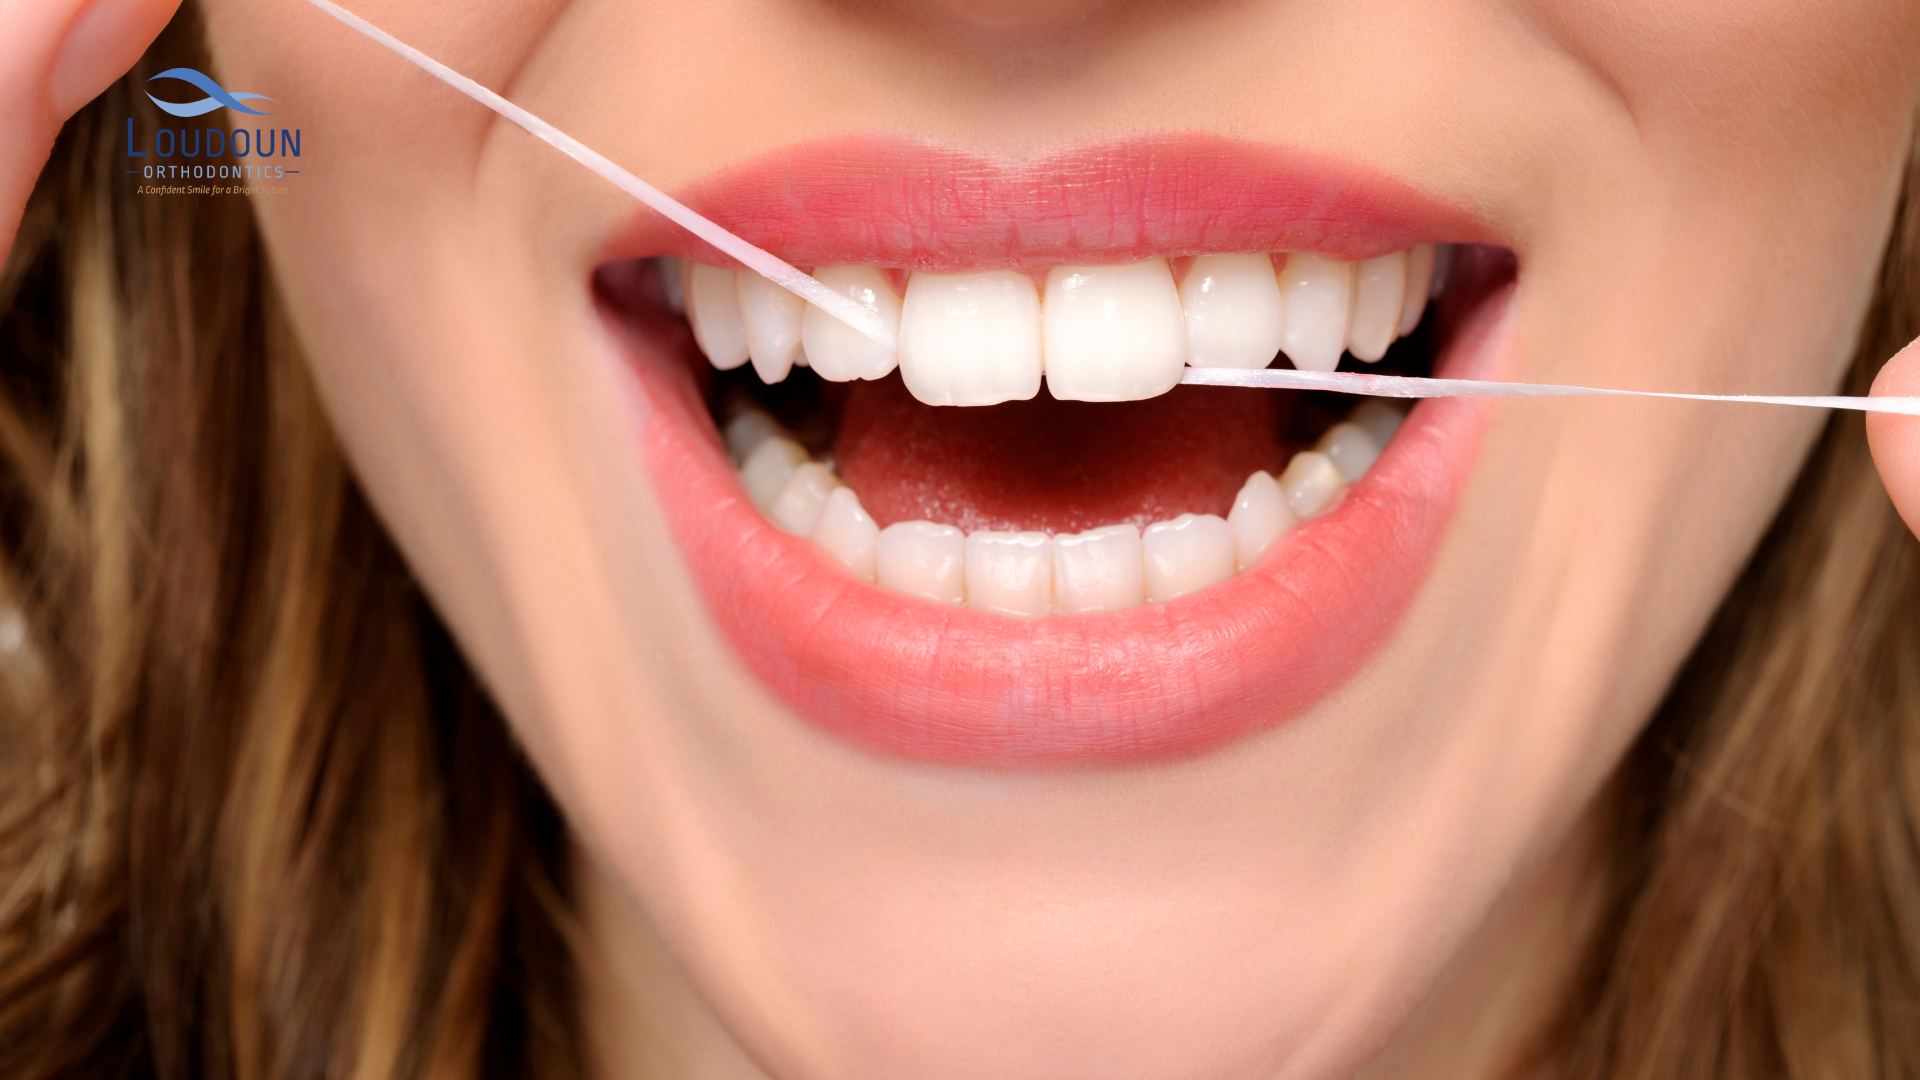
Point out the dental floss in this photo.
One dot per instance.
(846, 310)
(1407, 386)
(765, 263)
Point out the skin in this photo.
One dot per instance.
(1698, 195)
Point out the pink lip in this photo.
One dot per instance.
(918, 680)
(894, 202)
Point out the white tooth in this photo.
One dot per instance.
(773, 325)
(1351, 450)
(1318, 294)
(713, 308)
(1234, 315)
(1010, 572)
(800, 358)
(923, 559)
(1310, 484)
(1186, 555)
(1113, 333)
(847, 533)
(837, 351)
(1098, 570)
(1259, 517)
(797, 508)
(747, 430)
(1379, 292)
(768, 468)
(1419, 281)
(1378, 419)
(673, 281)
(970, 339)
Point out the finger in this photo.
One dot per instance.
(55, 56)
(1896, 439)
(101, 43)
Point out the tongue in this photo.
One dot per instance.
(1055, 466)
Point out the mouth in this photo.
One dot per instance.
(1016, 539)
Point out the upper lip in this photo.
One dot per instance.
(885, 201)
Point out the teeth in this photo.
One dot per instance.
(1098, 570)
(1259, 517)
(1419, 284)
(673, 281)
(713, 308)
(802, 498)
(1113, 333)
(1378, 419)
(845, 532)
(1311, 484)
(772, 315)
(767, 469)
(746, 431)
(1442, 264)
(923, 559)
(838, 352)
(1030, 574)
(1379, 294)
(1185, 555)
(971, 339)
(1098, 333)
(1011, 573)
(1350, 448)
(1319, 296)
(1234, 315)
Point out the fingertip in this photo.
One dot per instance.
(1895, 439)
(101, 44)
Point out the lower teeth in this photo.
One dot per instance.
(1034, 574)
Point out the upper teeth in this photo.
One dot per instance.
(970, 339)
(1094, 333)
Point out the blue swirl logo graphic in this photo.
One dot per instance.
(217, 97)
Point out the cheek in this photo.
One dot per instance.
(1751, 86)
(383, 133)
(416, 298)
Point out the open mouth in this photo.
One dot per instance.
(1017, 538)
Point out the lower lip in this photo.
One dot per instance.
(917, 680)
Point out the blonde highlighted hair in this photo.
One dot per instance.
(258, 821)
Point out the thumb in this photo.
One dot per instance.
(1895, 439)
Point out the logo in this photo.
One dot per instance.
(217, 96)
(258, 158)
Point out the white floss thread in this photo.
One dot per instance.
(1407, 386)
(770, 266)
(846, 310)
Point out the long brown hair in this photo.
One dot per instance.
(257, 820)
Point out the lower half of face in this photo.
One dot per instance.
(987, 702)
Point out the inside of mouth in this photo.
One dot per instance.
(1035, 506)
(1044, 464)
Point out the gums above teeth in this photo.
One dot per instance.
(1033, 574)
(1092, 333)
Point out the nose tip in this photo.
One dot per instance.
(1012, 14)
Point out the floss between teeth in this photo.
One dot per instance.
(846, 310)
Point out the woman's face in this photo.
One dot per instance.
(1268, 828)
